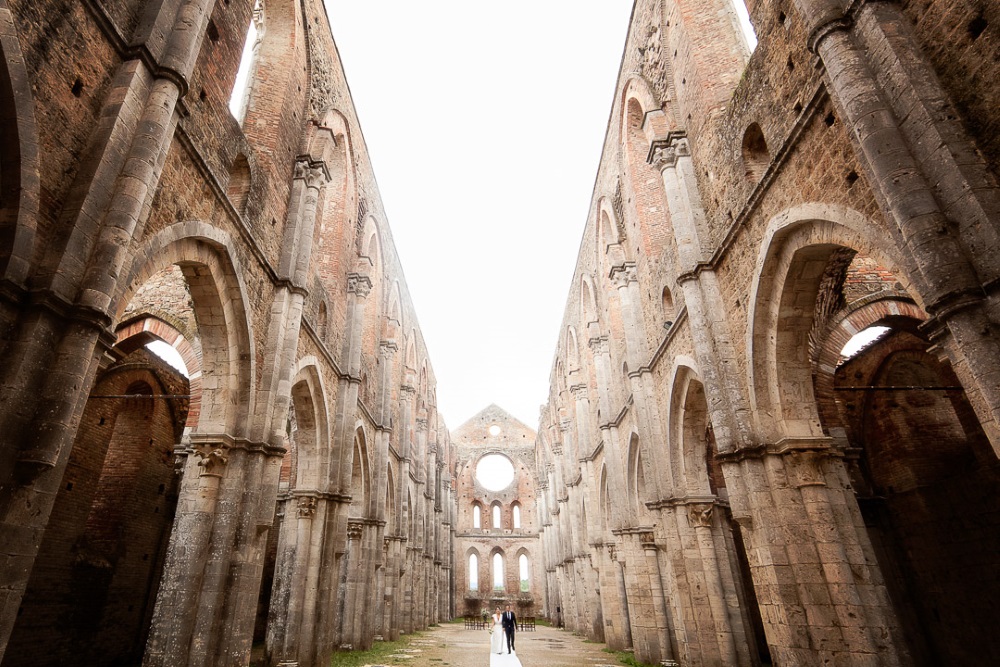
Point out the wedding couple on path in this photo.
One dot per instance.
(504, 625)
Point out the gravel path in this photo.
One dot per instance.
(451, 645)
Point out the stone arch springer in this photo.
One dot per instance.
(19, 160)
(806, 233)
(227, 336)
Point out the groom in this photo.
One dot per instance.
(509, 623)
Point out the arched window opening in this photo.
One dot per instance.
(498, 572)
(247, 73)
(517, 515)
(238, 188)
(476, 517)
(522, 563)
(667, 307)
(756, 157)
(496, 515)
(473, 572)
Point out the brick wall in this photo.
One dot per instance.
(90, 597)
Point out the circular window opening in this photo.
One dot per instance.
(495, 472)
(494, 430)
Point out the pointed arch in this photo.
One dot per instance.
(689, 428)
(211, 267)
(360, 474)
(312, 436)
(19, 166)
(795, 251)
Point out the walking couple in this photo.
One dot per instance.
(504, 625)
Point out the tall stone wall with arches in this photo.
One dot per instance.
(497, 554)
(284, 492)
(733, 481)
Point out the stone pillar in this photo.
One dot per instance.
(713, 342)
(626, 613)
(668, 650)
(50, 356)
(700, 519)
(930, 181)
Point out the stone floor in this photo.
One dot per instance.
(451, 645)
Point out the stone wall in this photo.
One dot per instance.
(494, 431)
(312, 457)
(706, 468)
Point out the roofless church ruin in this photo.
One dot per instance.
(720, 476)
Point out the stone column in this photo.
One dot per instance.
(49, 361)
(668, 651)
(626, 613)
(700, 519)
(930, 181)
(713, 343)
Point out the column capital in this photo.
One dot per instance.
(663, 153)
(623, 274)
(700, 514)
(306, 506)
(599, 345)
(359, 284)
(314, 172)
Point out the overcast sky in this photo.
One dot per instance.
(484, 122)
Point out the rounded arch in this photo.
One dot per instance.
(868, 312)
(19, 166)
(144, 329)
(637, 94)
(794, 254)
(212, 270)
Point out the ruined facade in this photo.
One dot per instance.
(290, 487)
(497, 560)
(731, 487)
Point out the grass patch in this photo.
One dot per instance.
(626, 658)
(377, 654)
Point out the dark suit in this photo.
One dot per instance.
(509, 623)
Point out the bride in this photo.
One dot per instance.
(496, 638)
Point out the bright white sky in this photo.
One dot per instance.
(485, 122)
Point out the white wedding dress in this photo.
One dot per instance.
(496, 639)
